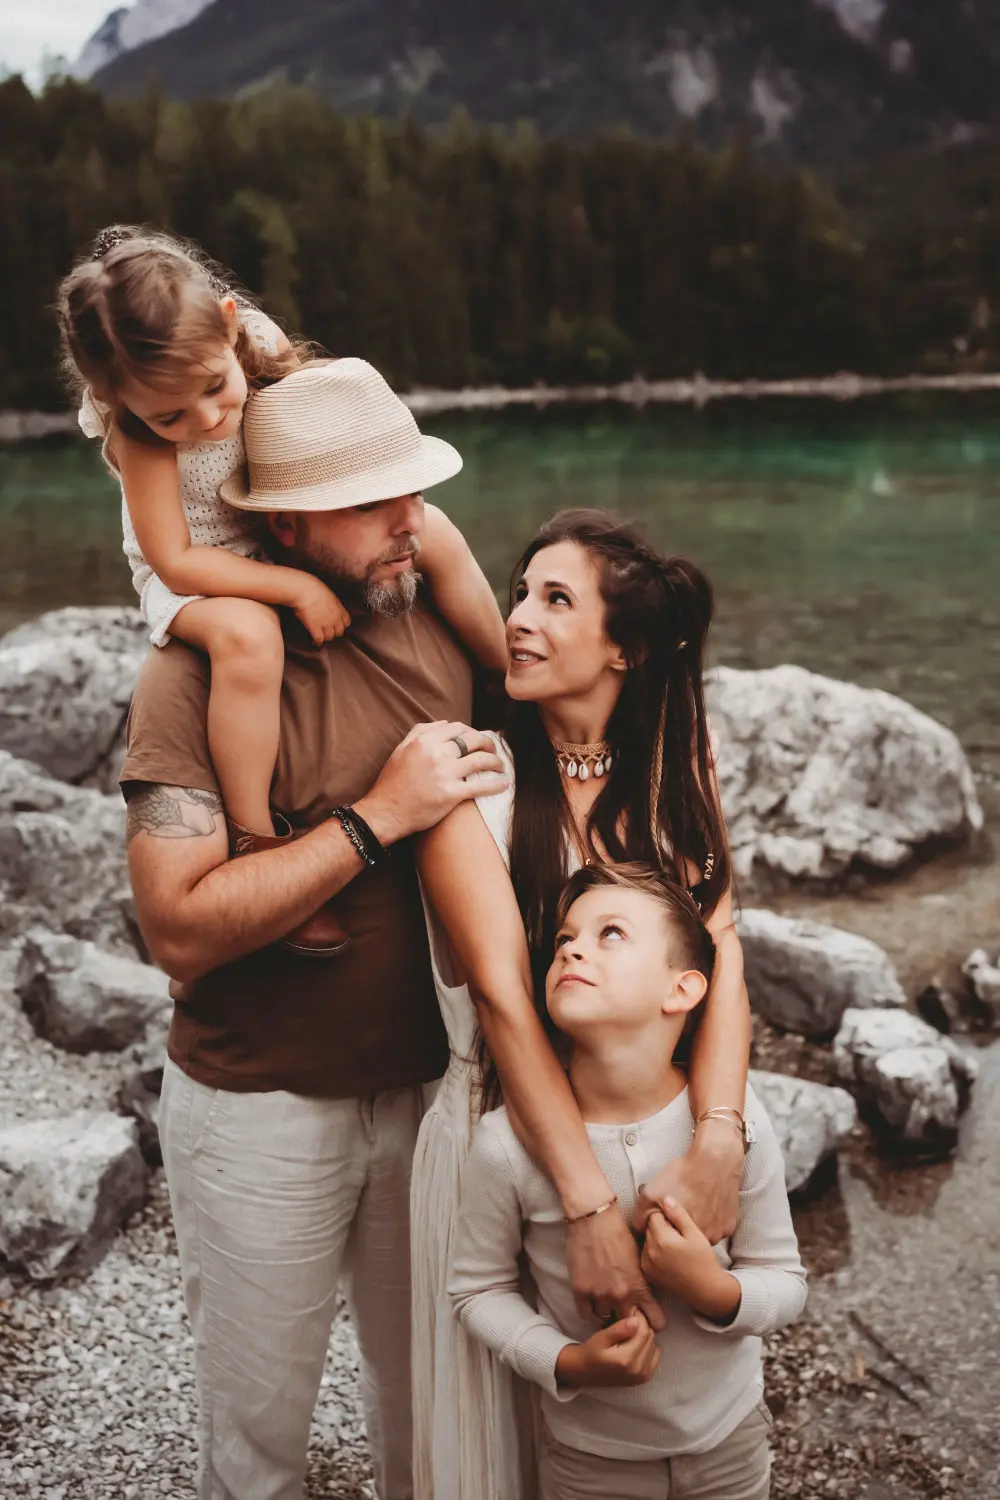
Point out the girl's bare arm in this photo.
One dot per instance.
(461, 591)
(152, 493)
(470, 892)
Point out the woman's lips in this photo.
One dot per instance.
(575, 979)
(519, 658)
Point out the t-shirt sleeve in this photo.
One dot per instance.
(167, 729)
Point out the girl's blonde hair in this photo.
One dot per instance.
(145, 306)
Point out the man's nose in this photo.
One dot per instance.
(407, 515)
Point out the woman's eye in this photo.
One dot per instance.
(215, 389)
(611, 931)
(520, 593)
(562, 940)
(558, 597)
(168, 421)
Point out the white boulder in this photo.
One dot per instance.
(803, 975)
(66, 1187)
(62, 859)
(83, 999)
(140, 1091)
(911, 1078)
(819, 776)
(983, 973)
(65, 684)
(811, 1120)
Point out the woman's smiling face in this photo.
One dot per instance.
(556, 645)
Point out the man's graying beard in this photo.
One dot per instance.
(385, 597)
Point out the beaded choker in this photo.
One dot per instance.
(580, 762)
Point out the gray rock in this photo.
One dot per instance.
(65, 684)
(62, 859)
(140, 1092)
(803, 975)
(911, 1078)
(819, 776)
(86, 1000)
(940, 1008)
(66, 1187)
(983, 973)
(811, 1120)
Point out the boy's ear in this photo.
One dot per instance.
(690, 990)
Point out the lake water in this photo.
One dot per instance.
(862, 540)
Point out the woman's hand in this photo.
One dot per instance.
(603, 1261)
(706, 1181)
(678, 1258)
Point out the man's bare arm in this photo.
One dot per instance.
(198, 909)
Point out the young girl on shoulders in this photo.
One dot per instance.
(164, 354)
(632, 966)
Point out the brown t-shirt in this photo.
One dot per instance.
(366, 1019)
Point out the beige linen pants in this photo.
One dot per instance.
(739, 1468)
(274, 1198)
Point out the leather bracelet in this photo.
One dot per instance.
(372, 843)
(601, 1208)
(365, 843)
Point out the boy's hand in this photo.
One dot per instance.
(624, 1354)
(678, 1258)
(319, 609)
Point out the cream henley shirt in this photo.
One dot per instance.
(710, 1378)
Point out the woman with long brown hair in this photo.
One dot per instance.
(610, 760)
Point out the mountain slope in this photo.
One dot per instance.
(127, 28)
(822, 80)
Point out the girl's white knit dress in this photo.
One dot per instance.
(201, 468)
(473, 1419)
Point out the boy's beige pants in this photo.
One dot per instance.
(737, 1469)
(275, 1198)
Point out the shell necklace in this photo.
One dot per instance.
(580, 762)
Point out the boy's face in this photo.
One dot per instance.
(612, 965)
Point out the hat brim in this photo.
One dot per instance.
(436, 462)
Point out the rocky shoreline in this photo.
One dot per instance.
(823, 783)
(699, 390)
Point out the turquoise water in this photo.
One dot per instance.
(858, 540)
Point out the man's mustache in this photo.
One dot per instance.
(407, 546)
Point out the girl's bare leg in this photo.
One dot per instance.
(243, 640)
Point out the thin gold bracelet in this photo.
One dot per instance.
(601, 1209)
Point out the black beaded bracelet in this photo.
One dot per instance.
(361, 836)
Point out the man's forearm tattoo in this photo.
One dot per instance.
(172, 812)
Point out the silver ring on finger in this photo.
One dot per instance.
(463, 748)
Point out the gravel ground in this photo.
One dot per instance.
(96, 1378)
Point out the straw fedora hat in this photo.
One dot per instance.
(330, 436)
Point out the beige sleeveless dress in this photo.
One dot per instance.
(473, 1418)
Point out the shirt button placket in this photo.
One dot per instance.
(636, 1156)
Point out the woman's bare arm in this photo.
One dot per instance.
(461, 591)
(469, 889)
(707, 1179)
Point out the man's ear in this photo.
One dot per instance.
(281, 525)
(232, 317)
(690, 990)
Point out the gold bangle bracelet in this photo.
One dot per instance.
(602, 1208)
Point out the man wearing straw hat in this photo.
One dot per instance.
(297, 1065)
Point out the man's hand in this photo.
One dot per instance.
(678, 1258)
(427, 776)
(624, 1354)
(319, 609)
(603, 1261)
(706, 1181)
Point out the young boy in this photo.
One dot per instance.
(627, 1413)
